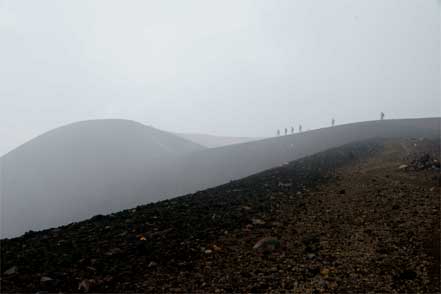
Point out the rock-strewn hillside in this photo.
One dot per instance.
(363, 217)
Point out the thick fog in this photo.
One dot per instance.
(102, 166)
(211, 141)
(234, 68)
(215, 73)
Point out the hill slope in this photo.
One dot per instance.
(212, 167)
(98, 167)
(82, 169)
(348, 219)
(211, 141)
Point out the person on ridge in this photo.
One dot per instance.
(333, 121)
(300, 128)
(382, 115)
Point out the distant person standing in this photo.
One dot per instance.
(300, 128)
(278, 132)
(333, 122)
(382, 115)
(286, 131)
(292, 130)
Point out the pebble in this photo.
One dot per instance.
(310, 255)
(45, 279)
(11, 271)
(257, 221)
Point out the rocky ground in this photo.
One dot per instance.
(361, 218)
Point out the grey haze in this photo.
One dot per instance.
(236, 68)
(98, 167)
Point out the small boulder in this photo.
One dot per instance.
(13, 270)
(113, 251)
(217, 248)
(49, 282)
(408, 275)
(311, 239)
(86, 284)
(257, 221)
(267, 245)
(310, 255)
(46, 279)
(312, 243)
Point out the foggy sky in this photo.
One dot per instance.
(237, 68)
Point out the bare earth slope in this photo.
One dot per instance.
(348, 219)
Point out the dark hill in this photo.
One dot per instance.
(362, 217)
(82, 169)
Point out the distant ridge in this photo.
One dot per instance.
(97, 167)
(119, 125)
(220, 165)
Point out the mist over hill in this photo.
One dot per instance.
(98, 167)
(212, 167)
(211, 141)
(82, 169)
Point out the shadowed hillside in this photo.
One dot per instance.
(85, 168)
